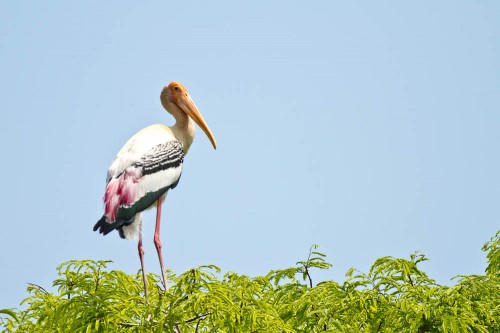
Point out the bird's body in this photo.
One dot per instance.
(147, 166)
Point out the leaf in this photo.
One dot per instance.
(394, 296)
(338, 326)
(9, 312)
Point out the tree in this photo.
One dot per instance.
(394, 296)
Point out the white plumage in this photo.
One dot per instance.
(137, 146)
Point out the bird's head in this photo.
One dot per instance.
(175, 96)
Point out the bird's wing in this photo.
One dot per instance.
(142, 183)
(137, 146)
(138, 177)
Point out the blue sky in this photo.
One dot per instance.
(370, 128)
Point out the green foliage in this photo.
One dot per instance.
(493, 254)
(394, 296)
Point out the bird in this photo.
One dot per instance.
(146, 167)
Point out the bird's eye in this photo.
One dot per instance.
(176, 88)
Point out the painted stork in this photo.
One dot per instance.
(148, 166)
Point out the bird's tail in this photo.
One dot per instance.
(105, 227)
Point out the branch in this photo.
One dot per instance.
(380, 325)
(198, 324)
(309, 277)
(411, 281)
(42, 289)
(202, 316)
(97, 279)
(128, 324)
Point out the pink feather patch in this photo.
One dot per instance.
(121, 191)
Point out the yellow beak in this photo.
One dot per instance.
(187, 105)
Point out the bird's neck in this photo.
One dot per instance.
(183, 130)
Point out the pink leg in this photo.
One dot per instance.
(141, 256)
(157, 242)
